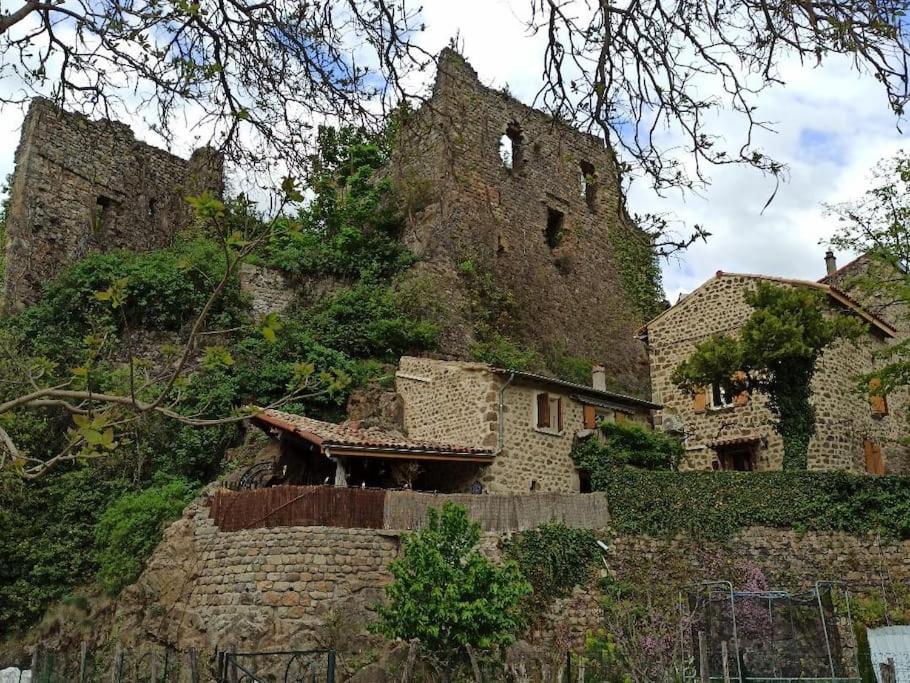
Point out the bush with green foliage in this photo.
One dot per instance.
(165, 290)
(351, 227)
(369, 320)
(131, 526)
(448, 595)
(47, 527)
(626, 443)
(554, 558)
(717, 505)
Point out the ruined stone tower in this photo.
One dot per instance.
(83, 186)
(533, 201)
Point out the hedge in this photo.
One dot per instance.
(716, 505)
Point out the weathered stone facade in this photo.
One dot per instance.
(268, 289)
(845, 419)
(458, 402)
(543, 223)
(82, 186)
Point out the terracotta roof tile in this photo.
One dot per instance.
(354, 435)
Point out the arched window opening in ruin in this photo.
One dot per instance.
(556, 220)
(510, 147)
(588, 184)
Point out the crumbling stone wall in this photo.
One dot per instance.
(844, 417)
(463, 204)
(82, 186)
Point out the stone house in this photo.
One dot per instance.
(464, 427)
(854, 432)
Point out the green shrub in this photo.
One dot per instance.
(502, 352)
(447, 594)
(627, 443)
(553, 558)
(131, 526)
(351, 227)
(165, 290)
(47, 531)
(369, 320)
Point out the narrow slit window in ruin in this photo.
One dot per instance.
(555, 225)
(588, 184)
(102, 216)
(510, 150)
(152, 207)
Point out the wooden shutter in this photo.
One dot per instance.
(700, 400)
(590, 415)
(877, 401)
(875, 463)
(543, 411)
(742, 398)
(559, 414)
(619, 417)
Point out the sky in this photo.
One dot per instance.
(832, 125)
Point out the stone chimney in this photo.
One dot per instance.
(599, 377)
(830, 261)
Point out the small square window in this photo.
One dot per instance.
(721, 398)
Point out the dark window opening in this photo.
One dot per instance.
(588, 184)
(739, 457)
(584, 482)
(102, 214)
(555, 223)
(535, 486)
(510, 147)
(721, 397)
(152, 207)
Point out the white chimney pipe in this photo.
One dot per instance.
(599, 377)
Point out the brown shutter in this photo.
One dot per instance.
(559, 414)
(619, 417)
(543, 411)
(742, 398)
(877, 401)
(875, 463)
(590, 415)
(700, 400)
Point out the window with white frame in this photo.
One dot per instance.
(548, 413)
(720, 397)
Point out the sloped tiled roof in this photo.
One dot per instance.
(841, 297)
(354, 436)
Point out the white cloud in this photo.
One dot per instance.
(832, 126)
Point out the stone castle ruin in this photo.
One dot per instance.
(490, 181)
(83, 186)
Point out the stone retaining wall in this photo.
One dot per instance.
(289, 586)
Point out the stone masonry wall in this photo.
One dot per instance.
(82, 186)
(464, 204)
(268, 289)
(844, 417)
(281, 588)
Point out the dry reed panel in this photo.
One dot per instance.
(501, 512)
(298, 506)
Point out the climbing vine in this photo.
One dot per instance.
(639, 270)
(553, 558)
